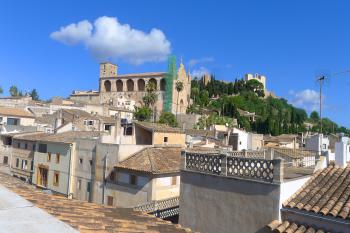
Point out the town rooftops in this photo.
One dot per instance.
(327, 193)
(156, 127)
(292, 227)
(66, 137)
(83, 93)
(200, 132)
(77, 113)
(16, 112)
(139, 75)
(84, 216)
(160, 160)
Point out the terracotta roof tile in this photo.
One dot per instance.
(326, 193)
(158, 127)
(154, 160)
(18, 112)
(292, 227)
(88, 217)
(66, 137)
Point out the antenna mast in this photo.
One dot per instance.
(321, 80)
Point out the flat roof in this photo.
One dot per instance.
(80, 215)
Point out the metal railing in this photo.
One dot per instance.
(162, 209)
(233, 165)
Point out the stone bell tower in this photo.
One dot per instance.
(108, 70)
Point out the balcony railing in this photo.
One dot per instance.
(232, 165)
(162, 208)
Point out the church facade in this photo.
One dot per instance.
(114, 88)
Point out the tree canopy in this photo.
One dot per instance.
(272, 115)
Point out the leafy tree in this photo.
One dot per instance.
(1, 90)
(143, 114)
(34, 94)
(151, 96)
(168, 118)
(14, 91)
(179, 86)
(314, 116)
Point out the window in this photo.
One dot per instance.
(90, 161)
(80, 161)
(25, 146)
(324, 146)
(133, 179)
(18, 145)
(88, 187)
(173, 180)
(24, 164)
(79, 184)
(32, 165)
(112, 176)
(110, 201)
(56, 178)
(108, 128)
(17, 162)
(12, 121)
(34, 147)
(88, 122)
(49, 157)
(58, 157)
(165, 139)
(42, 148)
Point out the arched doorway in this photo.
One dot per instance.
(130, 85)
(141, 85)
(119, 84)
(107, 85)
(162, 84)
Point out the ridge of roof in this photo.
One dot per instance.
(324, 193)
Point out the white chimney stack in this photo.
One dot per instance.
(342, 152)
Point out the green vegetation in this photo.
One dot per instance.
(15, 92)
(144, 113)
(1, 90)
(179, 86)
(221, 102)
(168, 118)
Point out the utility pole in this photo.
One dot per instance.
(321, 80)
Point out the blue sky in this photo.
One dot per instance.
(288, 41)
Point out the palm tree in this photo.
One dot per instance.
(151, 97)
(179, 86)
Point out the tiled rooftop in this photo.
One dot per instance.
(157, 127)
(154, 160)
(18, 112)
(327, 193)
(66, 137)
(88, 217)
(292, 227)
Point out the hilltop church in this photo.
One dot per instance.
(125, 90)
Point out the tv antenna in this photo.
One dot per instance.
(321, 79)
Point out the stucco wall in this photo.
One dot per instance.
(173, 138)
(63, 167)
(212, 204)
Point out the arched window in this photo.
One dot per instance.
(152, 80)
(119, 84)
(107, 85)
(141, 85)
(130, 85)
(162, 84)
(181, 102)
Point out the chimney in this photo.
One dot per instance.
(342, 152)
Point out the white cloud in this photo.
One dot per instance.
(308, 99)
(200, 72)
(73, 33)
(107, 38)
(202, 60)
